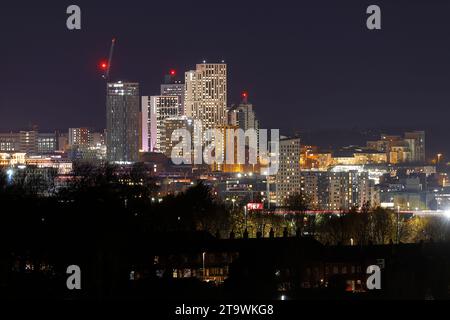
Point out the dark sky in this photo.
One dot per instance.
(307, 64)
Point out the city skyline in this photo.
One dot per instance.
(204, 152)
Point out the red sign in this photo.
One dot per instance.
(255, 206)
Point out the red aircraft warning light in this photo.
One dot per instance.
(173, 72)
(244, 97)
(103, 65)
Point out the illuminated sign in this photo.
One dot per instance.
(255, 206)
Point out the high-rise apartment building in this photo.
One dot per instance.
(122, 121)
(288, 177)
(206, 94)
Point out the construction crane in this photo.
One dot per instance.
(106, 66)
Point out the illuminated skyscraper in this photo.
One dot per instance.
(206, 94)
(174, 87)
(122, 115)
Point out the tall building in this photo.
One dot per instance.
(243, 115)
(122, 121)
(288, 180)
(174, 87)
(206, 94)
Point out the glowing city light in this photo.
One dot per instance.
(103, 65)
(447, 214)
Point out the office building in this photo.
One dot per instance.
(122, 115)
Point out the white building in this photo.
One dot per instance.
(288, 179)
(206, 94)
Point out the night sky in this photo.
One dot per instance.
(306, 64)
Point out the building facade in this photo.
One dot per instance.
(170, 126)
(174, 87)
(161, 108)
(47, 143)
(81, 137)
(243, 116)
(206, 94)
(122, 122)
(288, 178)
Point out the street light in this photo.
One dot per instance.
(204, 271)
(398, 224)
(245, 216)
(266, 173)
